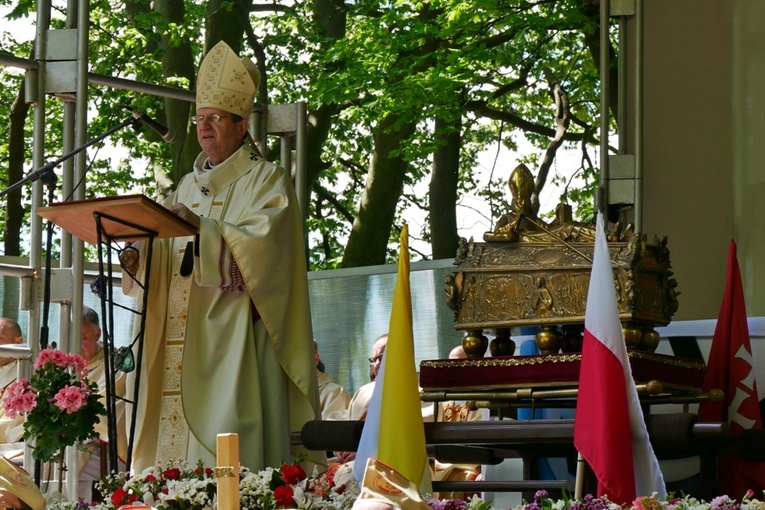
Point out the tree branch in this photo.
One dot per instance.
(562, 119)
(272, 7)
(516, 84)
(324, 194)
(482, 109)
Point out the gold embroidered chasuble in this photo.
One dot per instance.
(208, 366)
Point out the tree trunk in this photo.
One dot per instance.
(226, 23)
(178, 61)
(14, 211)
(592, 40)
(443, 187)
(368, 242)
(330, 16)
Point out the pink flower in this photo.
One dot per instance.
(45, 356)
(61, 359)
(20, 398)
(78, 362)
(58, 358)
(71, 398)
(646, 503)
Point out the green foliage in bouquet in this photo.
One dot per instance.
(61, 405)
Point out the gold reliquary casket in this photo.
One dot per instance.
(531, 273)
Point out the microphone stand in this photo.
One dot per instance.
(48, 177)
(40, 172)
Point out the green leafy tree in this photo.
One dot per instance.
(403, 96)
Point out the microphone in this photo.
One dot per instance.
(164, 132)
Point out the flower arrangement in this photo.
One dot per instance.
(170, 487)
(474, 503)
(290, 487)
(176, 486)
(542, 501)
(61, 405)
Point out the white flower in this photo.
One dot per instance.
(474, 502)
(148, 499)
(344, 475)
(191, 491)
(753, 504)
(559, 505)
(298, 494)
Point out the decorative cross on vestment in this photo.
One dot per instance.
(204, 190)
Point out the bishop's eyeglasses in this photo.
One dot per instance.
(213, 118)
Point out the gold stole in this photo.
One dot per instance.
(173, 429)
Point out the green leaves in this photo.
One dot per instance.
(49, 424)
(354, 63)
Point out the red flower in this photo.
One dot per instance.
(208, 471)
(132, 498)
(151, 478)
(284, 496)
(331, 472)
(119, 496)
(172, 474)
(292, 474)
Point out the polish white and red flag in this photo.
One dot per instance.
(609, 427)
(731, 369)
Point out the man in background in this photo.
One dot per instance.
(93, 352)
(332, 396)
(447, 411)
(92, 349)
(359, 404)
(11, 429)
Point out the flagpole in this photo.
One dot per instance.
(579, 487)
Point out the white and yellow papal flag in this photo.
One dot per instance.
(394, 433)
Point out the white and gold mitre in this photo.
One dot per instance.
(226, 82)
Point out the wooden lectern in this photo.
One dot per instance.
(124, 218)
(106, 222)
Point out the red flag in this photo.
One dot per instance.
(730, 369)
(609, 429)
